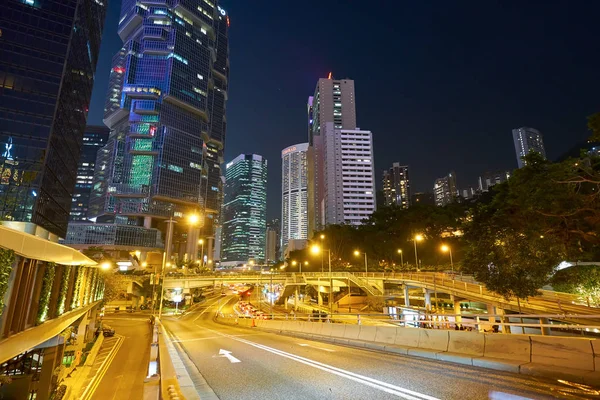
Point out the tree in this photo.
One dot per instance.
(583, 280)
(594, 126)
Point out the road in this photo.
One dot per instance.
(241, 363)
(124, 379)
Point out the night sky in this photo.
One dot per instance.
(439, 83)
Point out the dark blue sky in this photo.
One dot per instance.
(440, 83)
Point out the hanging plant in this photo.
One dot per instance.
(7, 258)
(76, 287)
(46, 291)
(93, 277)
(88, 286)
(64, 287)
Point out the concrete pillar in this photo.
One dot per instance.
(209, 250)
(545, 330)
(427, 295)
(52, 359)
(296, 299)
(456, 302)
(169, 240)
(491, 310)
(503, 319)
(406, 297)
(319, 298)
(148, 222)
(191, 247)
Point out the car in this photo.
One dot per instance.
(108, 331)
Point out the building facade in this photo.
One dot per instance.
(271, 246)
(527, 140)
(294, 193)
(94, 137)
(331, 107)
(48, 56)
(396, 186)
(244, 220)
(489, 179)
(423, 198)
(165, 108)
(445, 190)
(349, 176)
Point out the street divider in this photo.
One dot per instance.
(568, 358)
(169, 386)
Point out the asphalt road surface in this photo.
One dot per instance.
(124, 379)
(241, 363)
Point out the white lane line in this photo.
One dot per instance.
(208, 306)
(365, 380)
(212, 337)
(315, 347)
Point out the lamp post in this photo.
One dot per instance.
(322, 237)
(316, 250)
(401, 258)
(358, 253)
(446, 248)
(201, 242)
(416, 239)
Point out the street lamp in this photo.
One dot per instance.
(322, 237)
(416, 239)
(105, 265)
(358, 253)
(316, 250)
(448, 249)
(193, 219)
(401, 258)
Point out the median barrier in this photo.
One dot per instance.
(367, 333)
(507, 347)
(467, 343)
(433, 339)
(407, 337)
(314, 329)
(565, 352)
(386, 334)
(326, 329)
(352, 332)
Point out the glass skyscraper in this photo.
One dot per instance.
(94, 137)
(165, 108)
(48, 55)
(294, 193)
(244, 210)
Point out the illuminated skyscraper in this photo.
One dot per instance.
(244, 221)
(445, 190)
(166, 110)
(48, 55)
(527, 140)
(396, 186)
(93, 138)
(294, 195)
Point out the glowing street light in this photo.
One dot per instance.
(193, 219)
(448, 249)
(401, 258)
(358, 253)
(144, 264)
(416, 239)
(105, 265)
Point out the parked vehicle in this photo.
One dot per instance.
(108, 331)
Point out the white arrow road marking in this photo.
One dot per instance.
(315, 347)
(227, 355)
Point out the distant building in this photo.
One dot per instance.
(244, 223)
(489, 179)
(331, 107)
(527, 140)
(294, 193)
(94, 138)
(349, 185)
(271, 246)
(423, 198)
(275, 225)
(469, 193)
(396, 186)
(444, 190)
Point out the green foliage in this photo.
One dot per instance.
(46, 291)
(583, 280)
(76, 290)
(7, 258)
(594, 126)
(64, 287)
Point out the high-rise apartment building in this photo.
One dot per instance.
(489, 179)
(294, 193)
(331, 107)
(396, 186)
(527, 140)
(445, 190)
(166, 110)
(423, 199)
(244, 221)
(94, 138)
(349, 176)
(48, 55)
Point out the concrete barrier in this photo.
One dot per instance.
(326, 329)
(462, 342)
(407, 337)
(337, 330)
(432, 339)
(386, 334)
(352, 332)
(367, 333)
(565, 352)
(507, 347)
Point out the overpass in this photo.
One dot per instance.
(397, 285)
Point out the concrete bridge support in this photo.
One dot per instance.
(456, 302)
(427, 295)
(545, 330)
(406, 297)
(296, 299)
(319, 298)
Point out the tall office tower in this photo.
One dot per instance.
(489, 179)
(331, 107)
(349, 180)
(244, 221)
(271, 246)
(527, 140)
(294, 193)
(396, 186)
(94, 137)
(445, 190)
(166, 110)
(48, 55)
